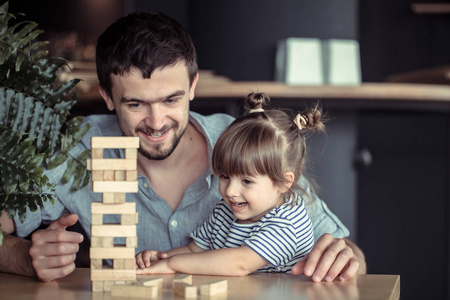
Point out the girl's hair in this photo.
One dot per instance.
(266, 142)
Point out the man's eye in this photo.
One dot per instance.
(171, 100)
(135, 105)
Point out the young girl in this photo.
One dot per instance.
(261, 223)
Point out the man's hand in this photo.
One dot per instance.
(54, 249)
(330, 258)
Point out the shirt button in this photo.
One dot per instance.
(174, 223)
(145, 184)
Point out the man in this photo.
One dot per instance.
(147, 69)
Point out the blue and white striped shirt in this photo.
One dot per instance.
(282, 237)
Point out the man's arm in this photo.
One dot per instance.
(14, 257)
(330, 258)
(50, 254)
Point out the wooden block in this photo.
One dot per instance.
(114, 142)
(108, 175)
(134, 291)
(96, 264)
(97, 219)
(117, 230)
(131, 241)
(129, 219)
(113, 275)
(119, 175)
(114, 164)
(97, 286)
(111, 209)
(111, 253)
(185, 290)
(107, 285)
(96, 153)
(124, 264)
(115, 186)
(97, 175)
(131, 175)
(131, 153)
(111, 198)
(88, 164)
(158, 282)
(102, 242)
(186, 278)
(213, 288)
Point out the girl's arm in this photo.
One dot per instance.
(227, 262)
(144, 258)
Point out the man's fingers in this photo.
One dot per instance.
(339, 263)
(54, 249)
(56, 236)
(328, 260)
(351, 270)
(299, 268)
(64, 221)
(316, 255)
(48, 275)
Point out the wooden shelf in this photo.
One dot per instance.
(431, 8)
(213, 86)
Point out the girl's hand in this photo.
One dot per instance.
(158, 267)
(144, 258)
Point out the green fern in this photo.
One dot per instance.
(34, 108)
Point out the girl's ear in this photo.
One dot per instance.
(290, 180)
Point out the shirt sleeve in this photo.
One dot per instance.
(202, 236)
(275, 241)
(322, 219)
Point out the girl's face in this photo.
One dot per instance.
(250, 197)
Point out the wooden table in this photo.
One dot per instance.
(260, 286)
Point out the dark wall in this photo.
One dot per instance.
(393, 39)
(238, 38)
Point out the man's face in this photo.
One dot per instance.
(156, 109)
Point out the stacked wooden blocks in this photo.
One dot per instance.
(114, 178)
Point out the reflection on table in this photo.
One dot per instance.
(259, 286)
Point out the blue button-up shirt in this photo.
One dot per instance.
(158, 228)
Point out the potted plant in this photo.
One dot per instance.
(35, 131)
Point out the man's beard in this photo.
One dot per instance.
(157, 153)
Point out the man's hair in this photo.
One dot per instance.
(146, 42)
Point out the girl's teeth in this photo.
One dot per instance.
(239, 204)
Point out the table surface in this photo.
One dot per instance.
(259, 286)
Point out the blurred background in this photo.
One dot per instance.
(383, 166)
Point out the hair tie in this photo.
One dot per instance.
(255, 110)
(300, 121)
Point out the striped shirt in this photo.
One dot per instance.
(282, 237)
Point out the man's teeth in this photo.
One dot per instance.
(156, 134)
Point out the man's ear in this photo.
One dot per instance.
(289, 181)
(108, 100)
(193, 86)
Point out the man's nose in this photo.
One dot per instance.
(155, 118)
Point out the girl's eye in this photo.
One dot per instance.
(247, 181)
(224, 177)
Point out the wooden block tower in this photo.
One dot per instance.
(114, 178)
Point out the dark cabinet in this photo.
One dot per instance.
(403, 199)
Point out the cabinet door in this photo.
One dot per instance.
(403, 200)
